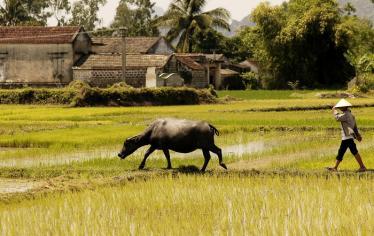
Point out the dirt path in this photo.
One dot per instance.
(18, 186)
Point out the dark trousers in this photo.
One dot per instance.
(349, 143)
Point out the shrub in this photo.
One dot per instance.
(120, 85)
(78, 84)
(251, 80)
(117, 96)
(365, 77)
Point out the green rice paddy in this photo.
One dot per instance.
(59, 173)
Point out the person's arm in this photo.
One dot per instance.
(338, 116)
(357, 133)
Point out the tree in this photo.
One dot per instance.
(186, 17)
(137, 17)
(301, 41)
(60, 9)
(211, 41)
(24, 12)
(84, 13)
(349, 8)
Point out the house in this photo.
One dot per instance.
(103, 70)
(40, 56)
(146, 59)
(204, 69)
(134, 45)
(169, 80)
(249, 65)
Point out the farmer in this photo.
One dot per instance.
(349, 133)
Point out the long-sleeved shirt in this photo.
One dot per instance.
(348, 124)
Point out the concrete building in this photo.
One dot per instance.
(40, 56)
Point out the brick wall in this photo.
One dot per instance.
(199, 79)
(105, 78)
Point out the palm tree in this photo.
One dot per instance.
(184, 17)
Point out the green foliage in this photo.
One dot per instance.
(294, 85)
(365, 77)
(137, 17)
(37, 96)
(251, 80)
(24, 12)
(211, 41)
(358, 35)
(85, 13)
(81, 94)
(186, 17)
(300, 40)
(59, 10)
(120, 85)
(78, 84)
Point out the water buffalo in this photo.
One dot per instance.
(183, 136)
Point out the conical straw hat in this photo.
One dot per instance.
(343, 103)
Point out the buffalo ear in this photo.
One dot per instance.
(133, 139)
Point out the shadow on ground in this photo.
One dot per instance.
(190, 169)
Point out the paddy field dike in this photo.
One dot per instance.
(60, 174)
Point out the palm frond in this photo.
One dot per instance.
(219, 23)
(203, 21)
(173, 34)
(197, 6)
(221, 13)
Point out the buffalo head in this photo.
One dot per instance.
(130, 146)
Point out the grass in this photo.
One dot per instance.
(270, 94)
(202, 205)
(70, 154)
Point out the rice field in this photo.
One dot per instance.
(59, 173)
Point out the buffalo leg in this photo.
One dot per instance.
(147, 153)
(218, 151)
(167, 155)
(206, 159)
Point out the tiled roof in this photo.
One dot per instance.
(109, 61)
(212, 57)
(38, 34)
(133, 44)
(228, 72)
(189, 62)
(248, 63)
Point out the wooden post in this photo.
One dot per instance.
(123, 35)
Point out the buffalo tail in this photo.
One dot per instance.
(214, 129)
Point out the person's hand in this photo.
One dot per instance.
(359, 138)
